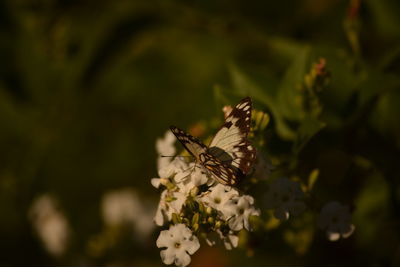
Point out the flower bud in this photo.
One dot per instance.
(195, 219)
(194, 191)
(209, 210)
(164, 181)
(195, 227)
(201, 207)
(175, 218)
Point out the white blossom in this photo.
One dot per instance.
(335, 218)
(156, 182)
(170, 202)
(120, 206)
(230, 239)
(180, 243)
(177, 166)
(50, 224)
(194, 176)
(165, 147)
(195, 173)
(218, 198)
(240, 209)
(286, 197)
(124, 206)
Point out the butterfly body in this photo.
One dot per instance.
(230, 155)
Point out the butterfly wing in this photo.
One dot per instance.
(194, 146)
(222, 172)
(230, 144)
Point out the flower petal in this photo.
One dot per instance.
(192, 245)
(182, 258)
(281, 213)
(350, 231)
(155, 182)
(333, 236)
(236, 223)
(164, 239)
(231, 241)
(167, 255)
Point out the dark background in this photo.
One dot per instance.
(86, 87)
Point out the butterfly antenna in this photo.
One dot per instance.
(193, 168)
(190, 168)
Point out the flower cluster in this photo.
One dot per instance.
(195, 205)
(50, 224)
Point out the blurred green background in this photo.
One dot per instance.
(86, 87)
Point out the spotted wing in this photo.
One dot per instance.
(194, 146)
(230, 144)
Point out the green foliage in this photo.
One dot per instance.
(86, 87)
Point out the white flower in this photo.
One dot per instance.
(180, 243)
(192, 177)
(170, 202)
(240, 209)
(156, 182)
(165, 147)
(50, 224)
(194, 172)
(336, 220)
(219, 198)
(230, 240)
(124, 206)
(176, 167)
(199, 176)
(120, 206)
(285, 196)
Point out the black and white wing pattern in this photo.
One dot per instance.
(230, 144)
(194, 146)
(230, 155)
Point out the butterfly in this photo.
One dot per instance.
(230, 156)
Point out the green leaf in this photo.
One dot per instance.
(312, 178)
(290, 95)
(372, 207)
(391, 57)
(244, 86)
(385, 16)
(308, 128)
(219, 94)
